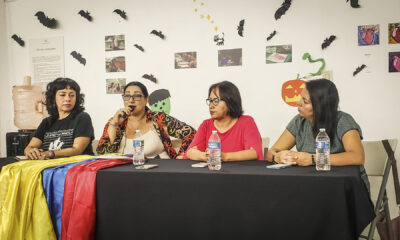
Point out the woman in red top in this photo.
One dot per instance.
(240, 138)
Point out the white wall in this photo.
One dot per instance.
(370, 97)
(4, 81)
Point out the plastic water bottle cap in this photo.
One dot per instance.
(137, 130)
(322, 129)
(214, 131)
(27, 80)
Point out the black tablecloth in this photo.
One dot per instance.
(242, 201)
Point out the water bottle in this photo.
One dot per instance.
(322, 149)
(29, 109)
(138, 148)
(214, 147)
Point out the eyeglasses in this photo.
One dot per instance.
(136, 97)
(214, 101)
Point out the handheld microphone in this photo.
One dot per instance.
(125, 116)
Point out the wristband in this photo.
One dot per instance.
(273, 158)
(312, 159)
(113, 125)
(52, 154)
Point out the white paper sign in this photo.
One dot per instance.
(46, 59)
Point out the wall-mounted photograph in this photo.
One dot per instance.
(115, 85)
(394, 33)
(115, 64)
(115, 42)
(394, 61)
(185, 60)
(278, 54)
(368, 35)
(230, 57)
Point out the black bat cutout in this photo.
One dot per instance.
(139, 47)
(85, 14)
(271, 35)
(121, 13)
(18, 40)
(150, 77)
(328, 41)
(47, 22)
(240, 28)
(78, 57)
(158, 33)
(359, 69)
(282, 10)
(354, 3)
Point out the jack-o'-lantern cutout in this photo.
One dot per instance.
(291, 91)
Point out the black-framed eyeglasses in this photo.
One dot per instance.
(136, 97)
(214, 101)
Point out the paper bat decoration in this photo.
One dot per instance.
(78, 57)
(158, 33)
(43, 19)
(85, 14)
(354, 3)
(240, 27)
(359, 69)
(139, 47)
(18, 40)
(328, 41)
(150, 77)
(282, 10)
(271, 35)
(121, 13)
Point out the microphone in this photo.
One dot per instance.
(132, 108)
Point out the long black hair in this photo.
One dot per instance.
(60, 84)
(325, 101)
(231, 96)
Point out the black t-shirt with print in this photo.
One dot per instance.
(61, 133)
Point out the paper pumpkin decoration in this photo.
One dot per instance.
(291, 91)
(159, 101)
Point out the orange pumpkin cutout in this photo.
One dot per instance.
(291, 91)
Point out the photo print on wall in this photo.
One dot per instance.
(114, 42)
(278, 54)
(115, 64)
(185, 60)
(394, 61)
(368, 35)
(394, 33)
(115, 85)
(230, 57)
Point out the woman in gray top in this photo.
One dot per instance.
(318, 108)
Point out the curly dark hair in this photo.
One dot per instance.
(60, 84)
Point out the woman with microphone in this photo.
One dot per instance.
(156, 127)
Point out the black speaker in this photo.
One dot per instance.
(17, 141)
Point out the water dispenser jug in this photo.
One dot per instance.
(28, 105)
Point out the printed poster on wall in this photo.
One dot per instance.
(46, 59)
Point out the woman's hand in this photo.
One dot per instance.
(286, 156)
(304, 159)
(121, 115)
(35, 154)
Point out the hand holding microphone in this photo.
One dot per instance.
(123, 114)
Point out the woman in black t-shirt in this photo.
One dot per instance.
(68, 131)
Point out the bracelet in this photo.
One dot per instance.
(52, 154)
(312, 159)
(273, 158)
(113, 125)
